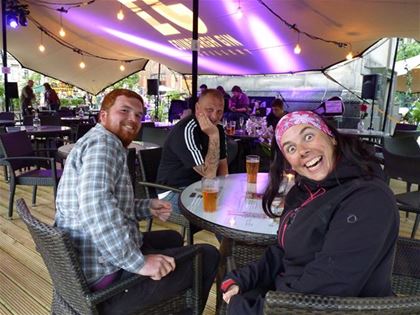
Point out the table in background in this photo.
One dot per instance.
(64, 150)
(239, 215)
(42, 131)
(372, 135)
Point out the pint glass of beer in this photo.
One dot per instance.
(209, 189)
(252, 166)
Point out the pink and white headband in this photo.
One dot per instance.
(300, 118)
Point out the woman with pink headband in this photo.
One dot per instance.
(339, 226)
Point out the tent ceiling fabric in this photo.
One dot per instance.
(258, 43)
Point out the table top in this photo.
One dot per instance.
(363, 133)
(75, 118)
(42, 130)
(239, 213)
(64, 150)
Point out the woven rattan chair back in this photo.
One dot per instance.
(7, 116)
(405, 283)
(155, 135)
(17, 144)
(59, 256)
(149, 164)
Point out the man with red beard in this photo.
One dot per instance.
(96, 207)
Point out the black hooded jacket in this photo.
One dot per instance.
(336, 237)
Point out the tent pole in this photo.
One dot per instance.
(388, 100)
(158, 95)
(4, 34)
(194, 47)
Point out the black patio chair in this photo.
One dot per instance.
(155, 135)
(25, 167)
(71, 294)
(402, 162)
(83, 128)
(405, 283)
(7, 116)
(149, 164)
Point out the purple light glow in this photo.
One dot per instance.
(204, 62)
(276, 53)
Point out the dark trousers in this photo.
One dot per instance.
(157, 291)
(248, 303)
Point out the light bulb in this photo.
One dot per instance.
(297, 49)
(120, 15)
(82, 65)
(239, 14)
(122, 68)
(349, 56)
(41, 48)
(62, 32)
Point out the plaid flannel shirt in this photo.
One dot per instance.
(96, 206)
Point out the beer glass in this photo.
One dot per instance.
(252, 166)
(210, 190)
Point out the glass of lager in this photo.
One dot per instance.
(252, 167)
(209, 189)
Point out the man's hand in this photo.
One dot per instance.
(161, 209)
(206, 125)
(157, 266)
(233, 290)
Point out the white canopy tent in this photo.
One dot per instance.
(261, 42)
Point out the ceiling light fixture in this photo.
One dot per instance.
(349, 55)
(297, 49)
(41, 46)
(122, 68)
(239, 14)
(62, 32)
(120, 14)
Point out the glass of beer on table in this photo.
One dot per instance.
(210, 190)
(252, 167)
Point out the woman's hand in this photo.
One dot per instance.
(233, 290)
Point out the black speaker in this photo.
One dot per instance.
(152, 87)
(370, 86)
(12, 90)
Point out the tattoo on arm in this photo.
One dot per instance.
(211, 161)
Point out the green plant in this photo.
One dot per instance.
(415, 112)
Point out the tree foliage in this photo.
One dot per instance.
(408, 50)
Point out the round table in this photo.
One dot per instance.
(42, 131)
(366, 133)
(239, 216)
(64, 150)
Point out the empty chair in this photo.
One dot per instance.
(19, 155)
(405, 283)
(149, 164)
(50, 120)
(82, 129)
(402, 162)
(7, 116)
(28, 120)
(155, 135)
(71, 294)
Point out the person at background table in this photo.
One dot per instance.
(195, 147)
(96, 207)
(27, 96)
(277, 112)
(338, 231)
(226, 98)
(238, 104)
(51, 97)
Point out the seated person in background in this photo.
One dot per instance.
(277, 112)
(238, 104)
(203, 87)
(195, 147)
(338, 231)
(96, 207)
(226, 98)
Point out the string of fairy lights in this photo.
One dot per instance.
(64, 8)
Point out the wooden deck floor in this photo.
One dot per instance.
(25, 286)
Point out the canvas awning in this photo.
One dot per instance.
(258, 43)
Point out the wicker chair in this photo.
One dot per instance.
(19, 155)
(405, 283)
(149, 164)
(402, 162)
(71, 294)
